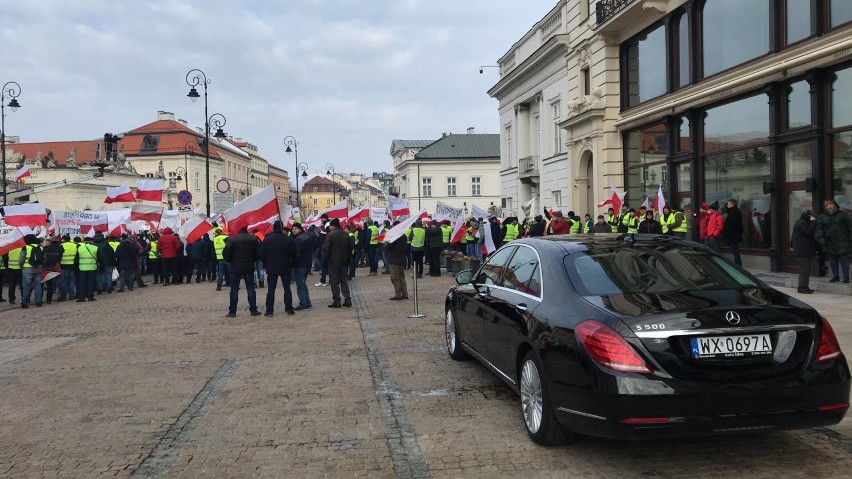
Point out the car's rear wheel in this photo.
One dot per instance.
(537, 411)
(453, 341)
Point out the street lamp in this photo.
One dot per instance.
(301, 168)
(194, 78)
(329, 170)
(12, 90)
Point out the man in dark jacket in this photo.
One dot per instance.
(241, 252)
(303, 243)
(435, 244)
(732, 229)
(650, 225)
(803, 242)
(277, 253)
(336, 254)
(53, 252)
(397, 255)
(835, 228)
(106, 262)
(125, 256)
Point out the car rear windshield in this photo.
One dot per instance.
(652, 269)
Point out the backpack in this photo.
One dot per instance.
(36, 256)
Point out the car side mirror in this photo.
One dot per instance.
(464, 277)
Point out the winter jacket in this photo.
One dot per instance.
(106, 256)
(52, 255)
(803, 239)
(241, 252)
(126, 254)
(714, 224)
(837, 230)
(278, 253)
(304, 245)
(732, 227)
(337, 249)
(434, 237)
(651, 227)
(198, 250)
(169, 245)
(397, 251)
(601, 228)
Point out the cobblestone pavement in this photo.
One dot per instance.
(158, 383)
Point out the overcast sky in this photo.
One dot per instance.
(344, 77)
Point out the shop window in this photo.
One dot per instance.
(737, 124)
(644, 182)
(798, 20)
(841, 107)
(799, 105)
(734, 31)
(646, 145)
(842, 171)
(684, 141)
(739, 175)
(798, 163)
(841, 12)
(645, 66)
(683, 49)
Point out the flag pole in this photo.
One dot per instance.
(416, 302)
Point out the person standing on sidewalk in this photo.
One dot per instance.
(68, 275)
(241, 252)
(336, 254)
(732, 229)
(303, 243)
(803, 242)
(125, 257)
(86, 262)
(223, 271)
(52, 255)
(30, 262)
(836, 233)
(435, 243)
(170, 246)
(397, 253)
(277, 253)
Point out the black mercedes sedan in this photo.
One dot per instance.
(636, 336)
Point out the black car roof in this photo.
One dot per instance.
(575, 243)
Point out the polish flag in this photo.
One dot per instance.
(256, 208)
(119, 194)
(151, 214)
(265, 227)
(490, 247)
(661, 200)
(30, 214)
(398, 206)
(149, 190)
(12, 240)
(22, 173)
(116, 230)
(394, 233)
(458, 229)
(194, 228)
(340, 210)
(359, 214)
(615, 200)
(94, 225)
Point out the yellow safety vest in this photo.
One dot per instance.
(665, 221)
(153, 253)
(219, 245)
(87, 255)
(13, 258)
(633, 224)
(613, 222)
(575, 226)
(69, 250)
(684, 225)
(418, 237)
(28, 255)
(408, 236)
(114, 245)
(511, 233)
(374, 231)
(355, 237)
(468, 234)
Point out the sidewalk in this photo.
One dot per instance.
(790, 280)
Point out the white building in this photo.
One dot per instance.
(460, 170)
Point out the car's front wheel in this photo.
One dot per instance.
(453, 341)
(537, 410)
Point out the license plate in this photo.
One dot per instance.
(731, 346)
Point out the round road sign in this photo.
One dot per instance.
(184, 197)
(223, 186)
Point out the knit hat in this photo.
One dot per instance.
(335, 222)
(297, 225)
(714, 205)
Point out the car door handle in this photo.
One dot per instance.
(521, 307)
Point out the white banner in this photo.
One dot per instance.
(444, 211)
(379, 214)
(478, 213)
(68, 222)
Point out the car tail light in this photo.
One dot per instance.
(609, 349)
(833, 407)
(829, 348)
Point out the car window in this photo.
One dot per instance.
(522, 272)
(490, 272)
(652, 269)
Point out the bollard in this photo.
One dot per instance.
(416, 303)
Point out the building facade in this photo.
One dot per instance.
(281, 179)
(460, 170)
(706, 100)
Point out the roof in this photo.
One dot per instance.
(61, 149)
(469, 145)
(174, 138)
(397, 145)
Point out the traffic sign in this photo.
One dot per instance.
(221, 202)
(223, 186)
(184, 197)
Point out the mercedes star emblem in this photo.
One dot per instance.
(732, 317)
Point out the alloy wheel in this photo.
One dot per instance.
(450, 327)
(531, 397)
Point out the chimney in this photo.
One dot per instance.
(165, 115)
(471, 130)
(183, 122)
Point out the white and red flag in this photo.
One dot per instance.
(398, 206)
(458, 229)
(359, 214)
(339, 211)
(194, 228)
(490, 247)
(12, 240)
(661, 200)
(30, 214)
(149, 190)
(263, 227)
(615, 200)
(22, 173)
(119, 194)
(256, 208)
(91, 226)
(394, 233)
(151, 214)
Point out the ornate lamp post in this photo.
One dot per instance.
(194, 78)
(301, 168)
(11, 90)
(329, 170)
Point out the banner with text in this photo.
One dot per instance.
(446, 212)
(379, 214)
(478, 213)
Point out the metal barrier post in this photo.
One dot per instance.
(416, 303)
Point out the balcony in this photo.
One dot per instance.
(528, 169)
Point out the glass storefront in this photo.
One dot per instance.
(799, 105)
(735, 31)
(841, 12)
(737, 124)
(842, 172)
(646, 66)
(841, 107)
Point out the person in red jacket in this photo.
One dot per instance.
(169, 246)
(714, 227)
(702, 218)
